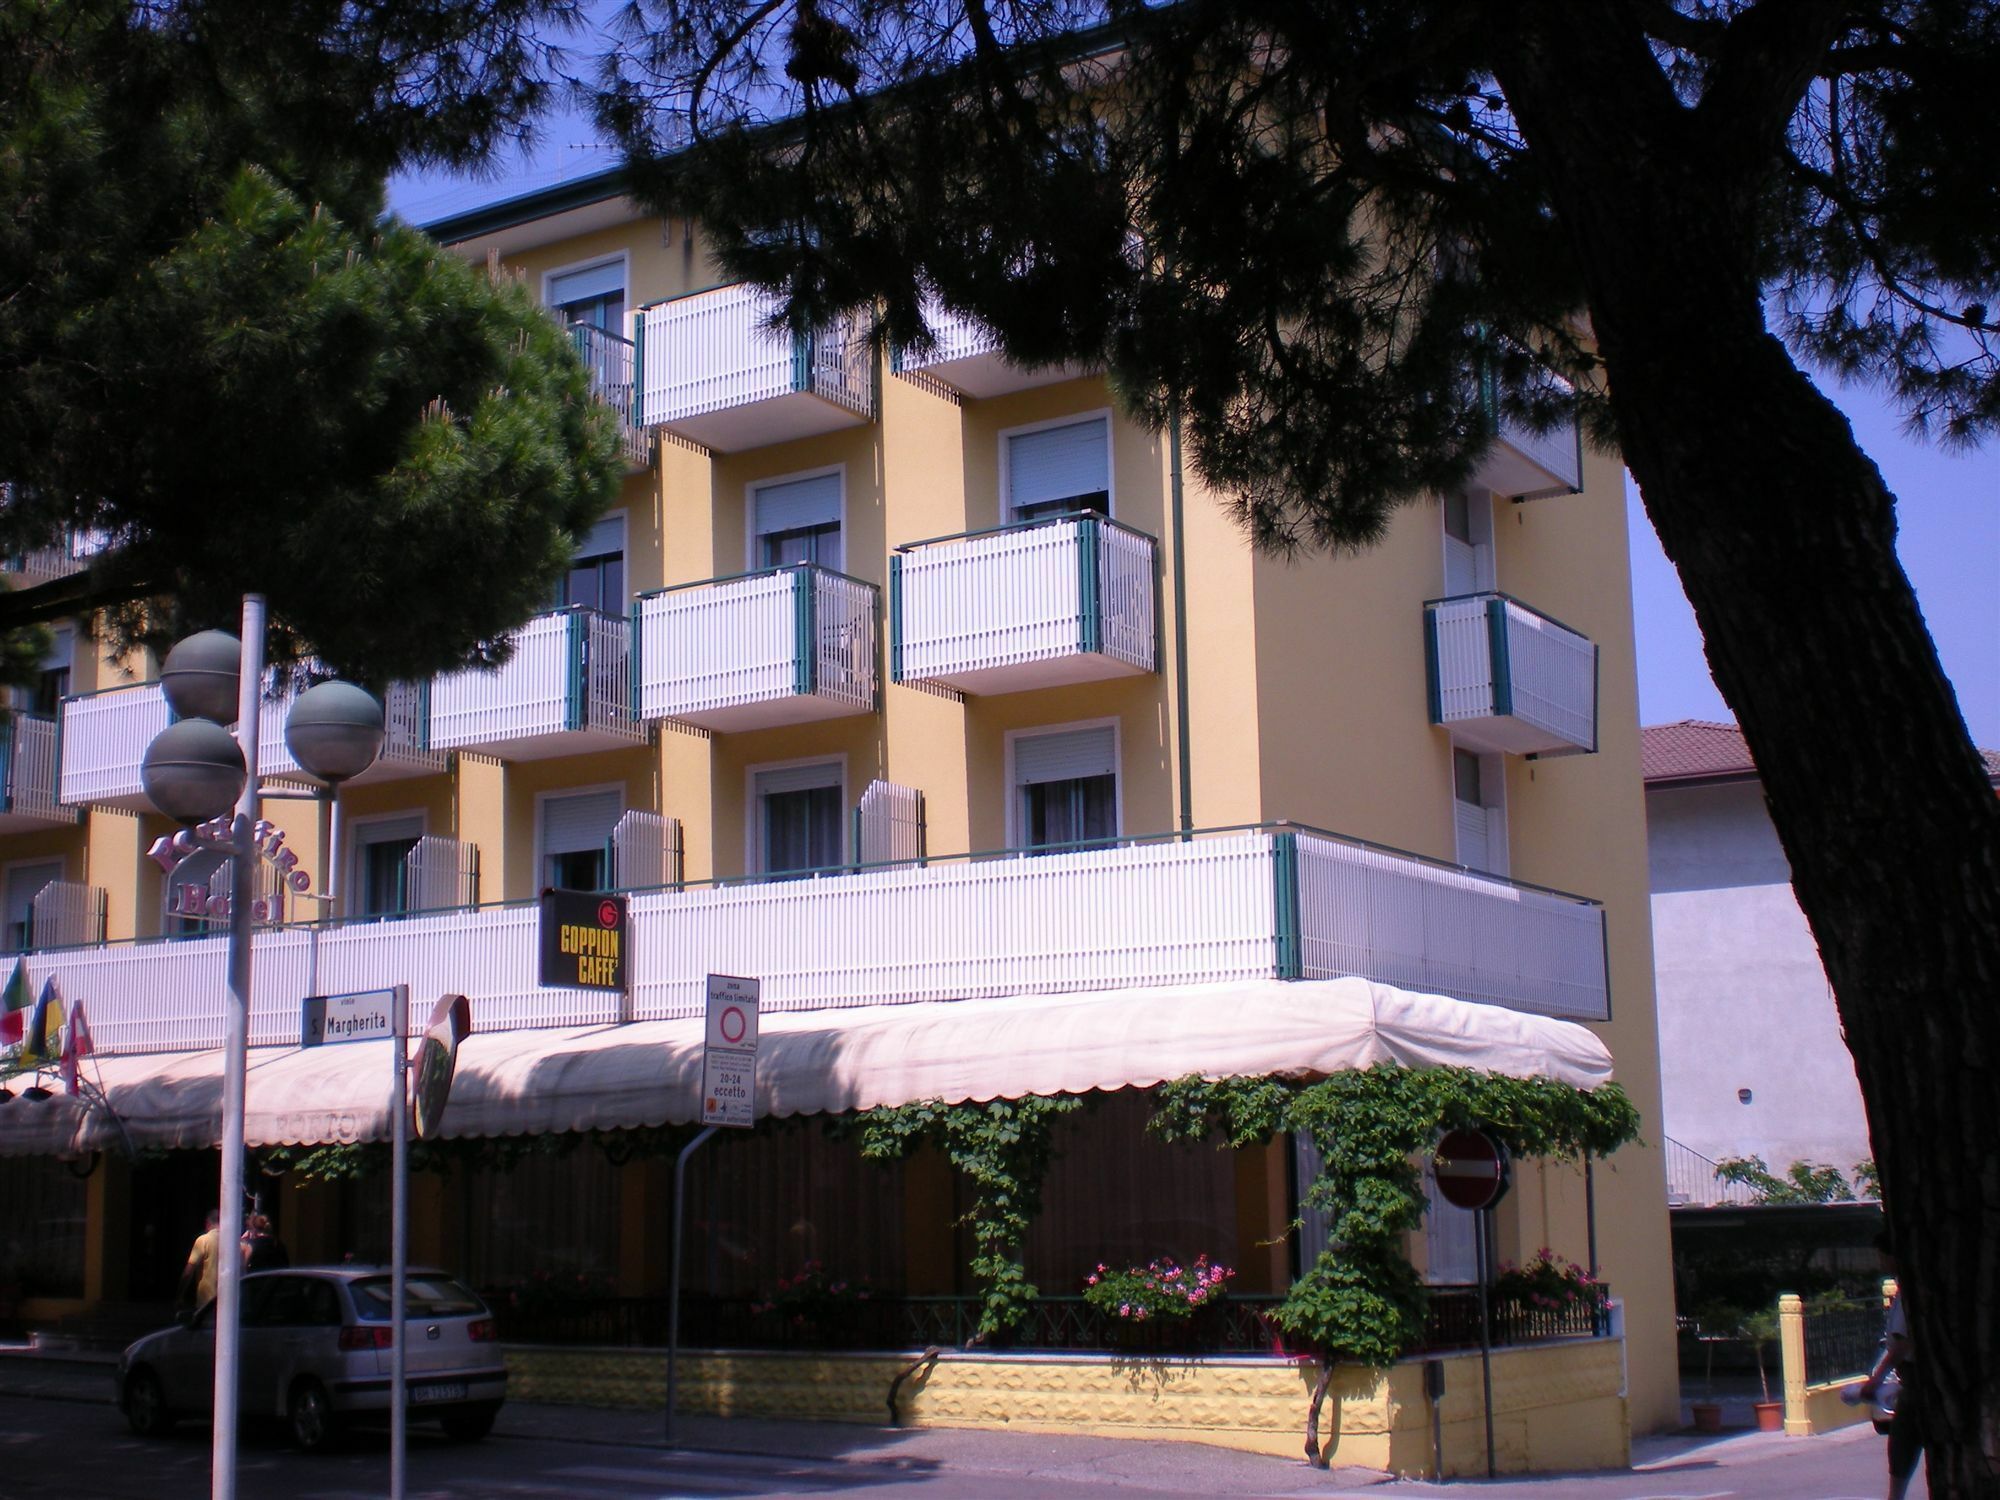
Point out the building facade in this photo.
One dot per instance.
(1733, 957)
(896, 677)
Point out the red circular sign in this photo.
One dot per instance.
(734, 1025)
(607, 914)
(1471, 1169)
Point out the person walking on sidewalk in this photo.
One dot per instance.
(197, 1286)
(1906, 1435)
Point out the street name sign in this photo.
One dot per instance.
(366, 1016)
(729, 1053)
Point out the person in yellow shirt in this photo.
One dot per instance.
(197, 1288)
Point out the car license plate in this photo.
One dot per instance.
(443, 1390)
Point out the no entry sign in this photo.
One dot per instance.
(1471, 1169)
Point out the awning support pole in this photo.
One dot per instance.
(674, 1276)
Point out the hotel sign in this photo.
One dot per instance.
(584, 940)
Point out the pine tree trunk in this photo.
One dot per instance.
(1784, 537)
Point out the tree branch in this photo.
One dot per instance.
(1769, 56)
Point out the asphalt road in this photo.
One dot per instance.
(72, 1448)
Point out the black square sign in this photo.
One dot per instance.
(584, 940)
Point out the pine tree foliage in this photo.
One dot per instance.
(1307, 231)
(213, 354)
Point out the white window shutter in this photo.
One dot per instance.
(575, 825)
(1065, 756)
(797, 778)
(1058, 462)
(590, 281)
(798, 503)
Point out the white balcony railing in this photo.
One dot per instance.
(717, 371)
(782, 647)
(613, 365)
(965, 355)
(28, 773)
(1245, 904)
(1053, 602)
(405, 716)
(1506, 678)
(104, 738)
(1448, 931)
(1524, 464)
(566, 690)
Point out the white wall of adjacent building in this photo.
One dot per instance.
(1743, 1001)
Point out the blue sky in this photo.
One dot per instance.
(1948, 510)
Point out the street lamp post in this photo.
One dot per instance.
(194, 773)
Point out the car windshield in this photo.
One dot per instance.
(426, 1297)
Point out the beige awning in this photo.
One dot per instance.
(834, 1061)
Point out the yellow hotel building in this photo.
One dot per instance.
(906, 679)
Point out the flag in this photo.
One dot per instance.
(76, 1046)
(44, 1022)
(14, 1005)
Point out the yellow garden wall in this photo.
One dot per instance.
(1556, 1406)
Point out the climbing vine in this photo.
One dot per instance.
(1361, 1300)
(1003, 1148)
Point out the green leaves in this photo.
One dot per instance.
(1361, 1300)
(1003, 1148)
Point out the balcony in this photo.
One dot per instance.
(613, 365)
(565, 691)
(966, 357)
(787, 646)
(28, 774)
(1273, 902)
(104, 737)
(1039, 605)
(1523, 464)
(716, 372)
(1506, 678)
(406, 715)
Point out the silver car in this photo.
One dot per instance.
(315, 1352)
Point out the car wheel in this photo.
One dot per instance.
(146, 1405)
(470, 1425)
(310, 1416)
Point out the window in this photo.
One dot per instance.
(381, 876)
(1451, 1239)
(576, 828)
(1468, 543)
(1479, 813)
(797, 521)
(52, 682)
(23, 884)
(1052, 470)
(593, 296)
(596, 579)
(1066, 787)
(798, 813)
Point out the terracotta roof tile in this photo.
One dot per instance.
(1699, 747)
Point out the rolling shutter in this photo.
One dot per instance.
(576, 825)
(590, 282)
(798, 504)
(1069, 756)
(1058, 462)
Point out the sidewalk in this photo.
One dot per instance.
(83, 1377)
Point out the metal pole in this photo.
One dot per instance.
(235, 1048)
(1482, 1256)
(1590, 1213)
(399, 1236)
(674, 1277)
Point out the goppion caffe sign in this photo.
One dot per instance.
(584, 940)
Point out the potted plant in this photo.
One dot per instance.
(1714, 1324)
(1139, 1301)
(1759, 1329)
